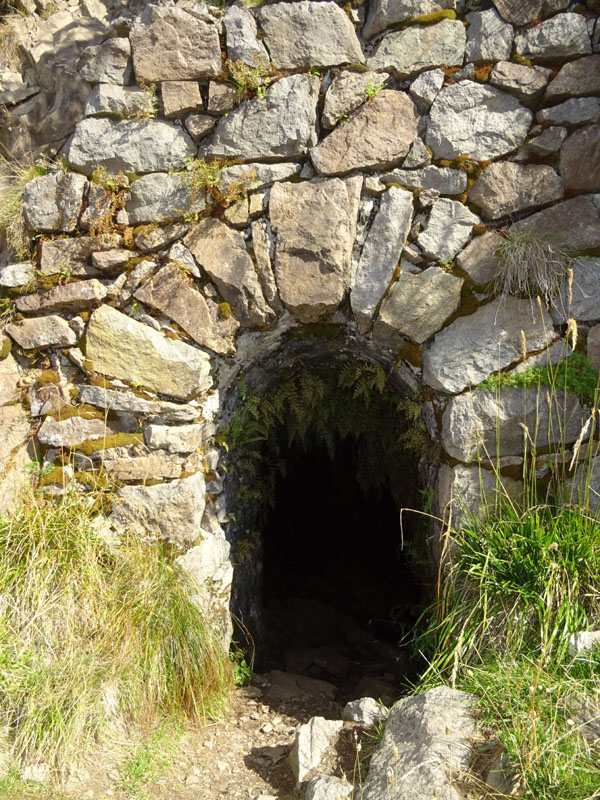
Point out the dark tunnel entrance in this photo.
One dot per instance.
(342, 586)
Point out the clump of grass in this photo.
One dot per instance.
(532, 264)
(94, 631)
(14, 176)
(250, 81)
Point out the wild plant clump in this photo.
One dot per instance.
(532, 264)
(94, 631)
(14, 176)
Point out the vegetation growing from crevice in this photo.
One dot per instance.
(250, 80)
(322, 407)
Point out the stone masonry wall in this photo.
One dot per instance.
(361, 173)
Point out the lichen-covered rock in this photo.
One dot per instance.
(447, 229)
(161, 197)
(305, 34)
(407, 53)
(480, 121)
(314, 225)
(128, 146)
(151, 239)
(378, 135)
(473, 347)
(42, 332)
(53, 202)
(346, 93)
(581, 148)
(575, 223)
(109, 62)
(123, 348)
(418, 305)
(243, 43)
(526, 83)
(418, 156)
(504, 187)
(489, 38)
(280, 126)
(107, 99)
(10, 374)
(560, 37)
(170, 44)
(575, 79)
(385, 13)
(170, 291)
(70, 297)
(575, 111)
(222, 252)
(380, 254)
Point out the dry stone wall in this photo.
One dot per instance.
(234, 178)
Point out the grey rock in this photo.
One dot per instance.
(560, 37)
(575, 111)
(53, 202)
(473, 347)
(70, 256)
(519, 13)
(221, 97)
(325, 787)
(132, 464)
(10, 375)
(15, 275)
(346, 93)
(174, 439)
(72, 431)
(489, 38)
(128, 146)
(575, 79)
(314, 225)
(407, 53)
(581, 301)
(180, 98)
(478, 259)
(444, 180)
(426, 87)
(487, 425)
(70, 297)
(158, 411)
(480, 121)
(366, 711)
(385, 13)
(468, 493)
(582, 641)
(427, 740)
(199, 125)
(418, 305)
(418, 155)
(526, 83)
(173, 511)
(280, 126)
(255, 176)
(110, 100)
(170, 44)
(50, 331)
(447, 229)
(380, 254)
(306, 33)
(378, 135)
(263, 245)
(111, 260)
(582, 147)
(584, 487)
(243, 43)
(171, 292)
(575, 222)
(109, 62)
(123, 348)
(222, 252)
(161, 197)
(311, 742)
(547, 143)
(505, 187)
(127, 283)
(151, 239)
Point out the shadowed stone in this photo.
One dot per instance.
(478, 259)
(581, 300)
(129, 403)
(109, 62)
(518, 12)
(582, 147)
(575, 223)
(489, 38)
(575, 79)
(108, 99)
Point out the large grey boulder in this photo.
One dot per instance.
(306, 33)
(575, 223)
(480, 121)
(53, 202)
(526, 83)
(407, 53)
(310, 744)
(473, 347)
(170, 511)
(385, 13)
(447, 229)
(241, 32)
(41, 332)
(466, 494)
(128, 146)
(578, 78)
(560, 37)
(161, 197)
(222, 252)
(123, 348)
(581, 298)
(170, 44)
(418, 305)
(280, 126)
(380, 254)
(487, 425)
(109, 62)
(314, 225)
(489, 38)
(428, 740)
(378, 135)
(505, 187)
(582, 147)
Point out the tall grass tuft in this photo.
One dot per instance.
(95, 632)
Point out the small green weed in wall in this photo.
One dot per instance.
(373, 88)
